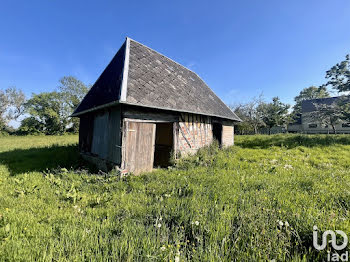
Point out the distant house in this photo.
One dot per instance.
(306, 124)
(145, 109)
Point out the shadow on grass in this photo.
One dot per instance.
(39, 159)
(292, 141)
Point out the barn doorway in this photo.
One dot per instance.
(217, 132)
(163, 144)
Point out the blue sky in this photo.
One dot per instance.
(240, 48)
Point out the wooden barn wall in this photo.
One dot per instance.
(114, 136)
(192, 132)
(227, 134)
(106, 135)
(100, 135)
(85, 132)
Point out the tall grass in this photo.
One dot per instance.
(258, 200)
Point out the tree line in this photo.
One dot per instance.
(44, 113)
(49, 112)
(258, 113)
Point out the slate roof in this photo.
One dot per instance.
(308, 105)
(150, 79)
(106, 89)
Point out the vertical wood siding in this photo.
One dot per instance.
(138, 146)
(85, 132)
(114, 136)
(100, 136)
(106, 135)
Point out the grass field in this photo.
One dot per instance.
(258, 200)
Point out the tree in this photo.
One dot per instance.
(17, 100)
(11, 105)
(308, 93)
(47, 112)
(329, 115)
(73, 91)
(250, 116)
(343, 102)
(274, 113)
(50, 111)
(30, 126)
(339, 76)
(4, 104)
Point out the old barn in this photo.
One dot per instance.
(145, 109)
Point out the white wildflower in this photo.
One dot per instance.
(177, 259)
(286, 224)
(159, 225)
(288, 166)
(163, 248)
(196, 223)
(280, 223)
(273, 161)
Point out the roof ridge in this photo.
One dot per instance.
(124, 84)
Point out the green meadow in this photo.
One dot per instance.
(255, 201)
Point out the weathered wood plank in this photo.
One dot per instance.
(139, 146)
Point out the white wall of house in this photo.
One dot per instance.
(311, 126)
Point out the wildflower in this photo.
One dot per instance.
(288, 166)
(286, 224)
(177, 259)
(25, 228)
(163, 248)
(196, 223)
(159, 225)
(273, 161)
(280, 223)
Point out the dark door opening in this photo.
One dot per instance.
(217, 132)
(163, 144)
